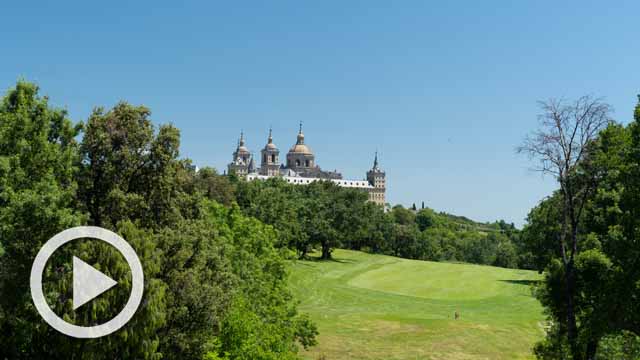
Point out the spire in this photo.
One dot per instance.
(252, 165)
(270, 147)
(300, 136)
(241, 138)
(375, 161)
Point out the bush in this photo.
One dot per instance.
(621, 346)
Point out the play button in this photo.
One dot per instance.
(88, 283)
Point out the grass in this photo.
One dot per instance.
(380, 307)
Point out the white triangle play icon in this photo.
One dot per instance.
(88, 283)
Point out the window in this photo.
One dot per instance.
(273, 158)
(297, 162)
(306, 163)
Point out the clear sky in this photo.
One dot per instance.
(444, 90)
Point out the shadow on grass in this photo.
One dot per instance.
(522, 282)
(333, 260)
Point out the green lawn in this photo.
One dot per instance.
(380, 307)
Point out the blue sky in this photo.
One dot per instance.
(444, 90)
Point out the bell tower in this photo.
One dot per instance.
(241, 159)
(377, 179)
(300, 158)
(270, 163)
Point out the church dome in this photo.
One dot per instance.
(270, 145)
(242, 149)
(300, 147)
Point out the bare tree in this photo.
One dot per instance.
(560, 146)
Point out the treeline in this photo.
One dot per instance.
(215, 279)
(427, 235)
(586, 235)
(325, 216)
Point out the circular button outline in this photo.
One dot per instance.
(87, 332)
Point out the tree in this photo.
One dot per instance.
(262, 321)
(352, 216)
(622, 346)
(37, 153)
(506, 255)
(541, 233)
(606, 297)
(214, 186)
(131, 171)
(319, 222)
(561, 145)
(403, 216)
(404, 240)
(613, 222)
(430, 246)
(425, 219)
(379, 229)
(277, 203)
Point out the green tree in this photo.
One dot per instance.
(561, 146)
(506, 255)
(317, 216)
(405, 241)
(276, 203)
(403, 216)
(130, 171)
(480, 248)
(263, 322)
(214, 186)
(353, 216)
(37, 153)
(606, 279)
(425, 218)
(540, 234)
(622, 346)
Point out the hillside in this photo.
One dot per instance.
(464, 223)
(380, 307)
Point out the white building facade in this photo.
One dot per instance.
(301, 168)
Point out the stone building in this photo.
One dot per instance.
(301, 168)
(377, 178)
(270, 165)
(241, 159)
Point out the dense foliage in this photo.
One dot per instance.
(607, 263)
(323, 215)
(215, 282)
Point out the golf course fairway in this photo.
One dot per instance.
(381, 307)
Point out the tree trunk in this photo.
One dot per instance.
(592, 349)
(572, 329)
(326, 251)
(570, 239)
